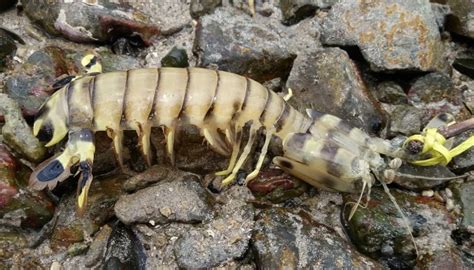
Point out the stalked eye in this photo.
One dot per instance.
(50, 172)
(45, 134)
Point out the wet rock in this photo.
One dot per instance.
(405, 119)
(175, 58)
(446, 259)
(391, 92)
(325, 207)
(328, 81)
(412, 182)
(31, 85)
(285, 239)
(7, 47)
(20, 206)
(16, 132)
(184, 200)
(379, 231)
(464, 63)
(232, 41)
(434, 93)
(465, 161)
(391, 35)
(72, 228)
(98, 247)
(463, 194)
(276, 186)
(461, 19)
(124, 250)
(199, 8)
(102, 21)
(297, 10)
(225, 238)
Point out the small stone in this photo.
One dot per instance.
(97, 248)
(201, 7)
(175, 58)
(77, 249)
(449, 204)
(465, 161)
(297, 10)
(55, 266)
(427, 193)
(391, 92)
(405, 119)
(409, 179)
(184, 200)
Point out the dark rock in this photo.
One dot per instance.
(297, 10)
(461, 20)
(225, 238)
(124, 250)
(412, 182)
(201, 7)
(31, 85)
(20, 206)
(285, 239)
(104, 21)
(379, 231)
(16, 132)
(465, 161)
(175, 58)
(463, 195)
(7, 48)
(328, 81)
(98, 247)
(446, 259)
(434, 93)
(184, 200)
(464, 63)
(71, 228)
(405, 119)
(232, 41)
(391, 92)
(276, 186)
(391, 35)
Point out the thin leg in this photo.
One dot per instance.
(242, 157)
(117, 137)
(169, 135)
(216, 141)
(144, 132)
(261, 158)
(235, 152)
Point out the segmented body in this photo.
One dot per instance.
(319, 148)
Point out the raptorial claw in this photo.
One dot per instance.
(83, 185)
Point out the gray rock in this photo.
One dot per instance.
(72, 228)
(461, 21)
(183, 201)
(233, 41)
(296, 10)
(16, 132)
(463, 194)
(223, 239)
(405, 119)
(411, 181)
(328, 81)
(98, 247)
(434, 93)
(440, 12)
(465, 161)
(286, 240)
(379, 228)
(390, 92)
(105, 21)
(7, 48)
(391, 34)
(201, 7)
